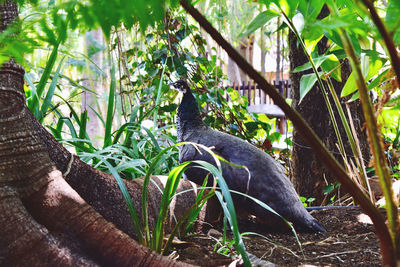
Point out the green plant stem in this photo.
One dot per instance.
(186, 215)
(387, 38)
(308, 134)
(353, 146)
(380, 162)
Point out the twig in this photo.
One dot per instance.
(339, 253)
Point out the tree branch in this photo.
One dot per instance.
(387, 38)
(301, 125)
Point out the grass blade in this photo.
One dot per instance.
(127, 198)
(34, 108)
(82, 127)
(168, 193)
(195, 208)
(226, 201)
(50, 93)
(33, 91)
(110, 110)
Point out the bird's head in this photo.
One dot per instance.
(181, 85)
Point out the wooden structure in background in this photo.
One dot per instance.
(259, 102)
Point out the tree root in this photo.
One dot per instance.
(43, 221)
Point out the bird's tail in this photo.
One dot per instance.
(317, 227)
(310, 224)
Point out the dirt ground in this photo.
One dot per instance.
(350, 241)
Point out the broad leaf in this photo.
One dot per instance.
(306, 83)
(317, 62)
(311, 8)
(369, 68)
(259, 21)
(392, 19)
(288, 6)
(332, 66)
(381, 78)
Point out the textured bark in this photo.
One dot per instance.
(35, 198)
(101, 191)
(309, 175)
(43, 221)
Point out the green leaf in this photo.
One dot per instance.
(131, 164)
(127, 198)
(307, 81)
(288, 6)
(259, 21)
(317, 62)
(392, 19)
(334, 37)
(251, 126)
(356, 44)
(369, 68)
(329, 188)
(379, 79)
(168, 193)
(382, 77)
(110, 110)
(332, 65)
(310, 43)
(311, 8)
(50, 93)
(82, 127)
(349, 87)
(43, 79)
(32, 87)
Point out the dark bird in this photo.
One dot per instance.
(267, 183)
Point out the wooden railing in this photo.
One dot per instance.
(259, 102)
(257, 96)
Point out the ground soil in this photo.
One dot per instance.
(350, 241)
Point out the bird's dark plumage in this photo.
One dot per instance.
(268, 182)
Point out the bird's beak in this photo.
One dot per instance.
(172, 86)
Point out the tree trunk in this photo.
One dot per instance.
(43, 221)
(310, 176)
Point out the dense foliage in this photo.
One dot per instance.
(146, 50)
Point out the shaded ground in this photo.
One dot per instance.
(350, 241)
